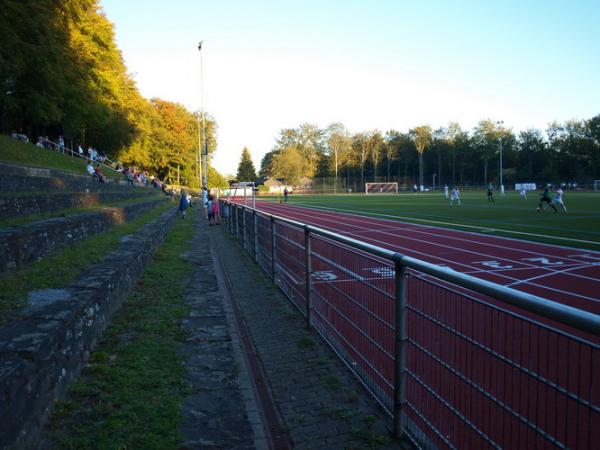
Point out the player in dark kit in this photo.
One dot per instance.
(546, 198)
(490, 193)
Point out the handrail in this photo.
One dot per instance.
(74, 153)
(582, 320)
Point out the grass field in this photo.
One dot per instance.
(509, 216)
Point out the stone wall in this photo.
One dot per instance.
(22, 245)
(44, 348)
(28, 205)
(20, 178)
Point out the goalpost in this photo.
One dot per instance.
(381, 188)
(243, 190)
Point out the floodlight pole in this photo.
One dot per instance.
(199, 160)
(204, 144)
(500, 140)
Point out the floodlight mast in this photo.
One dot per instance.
(500, 123)
(204, 142)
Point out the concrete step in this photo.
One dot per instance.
(28, 205)
(22, 245)
(44, 348)
(15, 178)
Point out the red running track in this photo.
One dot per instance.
(566, 275)
(492, 380)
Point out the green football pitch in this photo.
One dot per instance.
(509, 215)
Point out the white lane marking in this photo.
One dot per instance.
(545, 275)
(492, 264)
(383, 244)
(418, 229)
(366, 213)
(543, 260)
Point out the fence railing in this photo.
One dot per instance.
(458, 362)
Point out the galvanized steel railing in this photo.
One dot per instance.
(457, 361)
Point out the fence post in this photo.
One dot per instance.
(273, 249)
(244, 229)
(255, 220)
(237, 223)
(308, 267)
(400, 338)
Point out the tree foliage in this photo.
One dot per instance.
(62, 74)
(246, 170)
(565, 151)
(290, 165)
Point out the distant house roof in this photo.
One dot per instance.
(304, 180)
(272, 182)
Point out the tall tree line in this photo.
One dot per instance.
(61, 73)
(564, 152)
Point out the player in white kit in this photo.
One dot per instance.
(455, 196)
(558, 199)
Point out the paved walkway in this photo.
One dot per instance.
(300, 395)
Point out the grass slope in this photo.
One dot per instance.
(509, 216)
(63, 266)
(20, 153)
(131, 392)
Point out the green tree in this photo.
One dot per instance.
(422, 138)
(452, 135)
(360, 153)
(531, 147)
(375, 147)
(339, 144)
(290, 165)
(266, 164)
(246, 170)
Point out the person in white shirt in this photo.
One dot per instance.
(205, 202)
(558, 199)
(90, 169)
(523, 193)
(455, 196)
(446, 190)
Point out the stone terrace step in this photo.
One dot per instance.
(20, 246)
(28, 205)
(21, 179)
(44, 348)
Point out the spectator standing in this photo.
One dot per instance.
(216, 212)
(183, 204)
(209, 209)
(99, 174)
(205, 202)
(129, 177)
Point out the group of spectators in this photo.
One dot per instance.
(94, 160)
(93, 154)
(95, 171)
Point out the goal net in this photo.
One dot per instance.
(381, 188)
(243, 193)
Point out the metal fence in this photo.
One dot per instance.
(457, 361)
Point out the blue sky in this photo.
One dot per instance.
(270, 65)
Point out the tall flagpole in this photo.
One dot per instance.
(204, 151)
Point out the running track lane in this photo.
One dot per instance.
(522, 401)
(566, 275)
